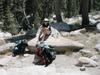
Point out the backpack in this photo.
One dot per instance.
(19, 49)
(46, 53)
(49, 53)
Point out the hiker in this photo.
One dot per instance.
(19, 49)
(45, 31)
(44, 54)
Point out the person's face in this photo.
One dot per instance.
(45, 23)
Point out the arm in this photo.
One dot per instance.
(40, 35)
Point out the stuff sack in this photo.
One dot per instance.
(19, 49)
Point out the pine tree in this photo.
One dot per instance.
(9, 21)
(58, 5)
(84, 11)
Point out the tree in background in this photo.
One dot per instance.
(12, 11)
(9, 20)
(84, 8)
(58, 5)
(95, 5)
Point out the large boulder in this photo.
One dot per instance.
(64, 34)
(75, 33)
(98, 27)
(96, 16)
(55, 33)
(92, 21)
(74, 20)
(78, 32)
(2, 41)
(60, 43)
(88, 52)
(6, 47)
(5, 35)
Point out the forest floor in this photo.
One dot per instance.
(89, 39)
(62, 65)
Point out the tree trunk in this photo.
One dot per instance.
(84, 12)
(58, 10)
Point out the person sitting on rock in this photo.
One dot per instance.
(45, 31)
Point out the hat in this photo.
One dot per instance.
(46, 20)
(54, 16)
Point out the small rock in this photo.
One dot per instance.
(78, 32)
(1, 65)
(97, 47)
(26, 55)
(82, 68)
(7, 47)
(92, 64)
(1, 23)
(84, 60)
(88, 62)
(95, 58)
(87, 52)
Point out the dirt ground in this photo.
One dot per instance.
(62, 65)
